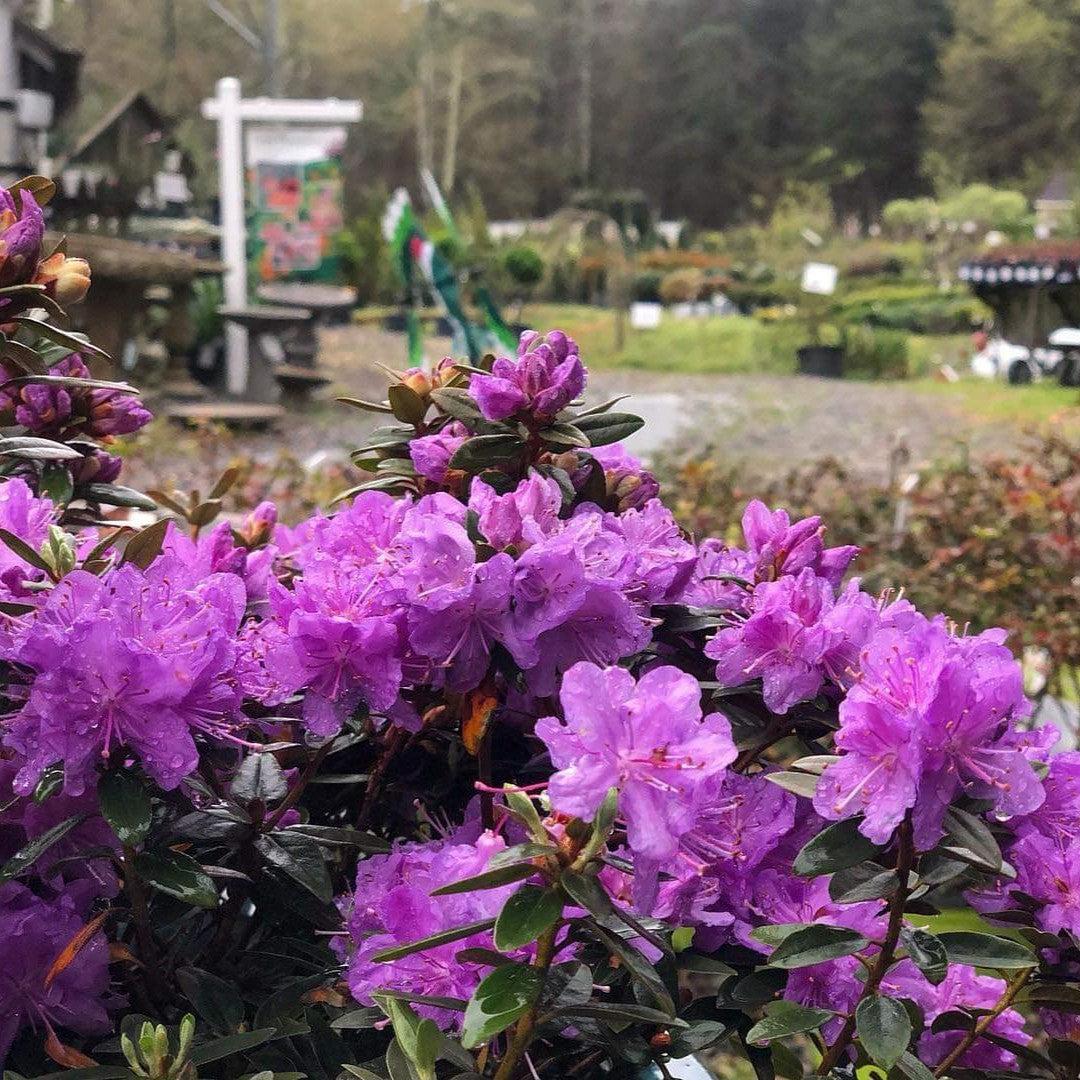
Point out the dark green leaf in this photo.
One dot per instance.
(216, 1001)
(458, 403)
(178, 875)
(335, 837)
(927, 954)
(366, 406)
(56, 480)
(602, 429)
(620, 1011)
(519, 853)
(299, 857)
(27, 855)
(757, 988)
(699, 1036)
(526, 915)
(986, 950)
(125, 804)
(910, 1067)
(564, 434)
(408, 406)
(775, 933)
(75, 342)
(24, 551)
(498, 1001)
(586, 891)
(490, 879)
(384, 956)
(815, 945)
(835, 848)
(637, 967)
(118, 495)
(968, 839)
(864, 881)
(259, 777)
(1052, 996)
(35, 449)
(483, 451)
(884, 1029)
(783, 1018)
(216, 1049)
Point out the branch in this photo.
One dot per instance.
(984, 1022)
(904, 859)
(545, 950)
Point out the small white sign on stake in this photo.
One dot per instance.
(819, 278)
(645, 316)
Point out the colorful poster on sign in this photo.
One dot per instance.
(294, 202)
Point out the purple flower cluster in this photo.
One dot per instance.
(544, 378)
(54, 410)
(392, 905)
(931, 715)
(136, 662)
(395, 594)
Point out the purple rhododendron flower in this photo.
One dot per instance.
(34, 931)
(546, 376)
(929, 714)
(783, 641)
(22, 230)
(137, 660)
(431, 454)
(962, 988)
(626, 479)
(647, 738)
(1049, 872)
(524, 516)
(778, 547)
(27, 517)
(392, 905)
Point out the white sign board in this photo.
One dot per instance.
(645, 316)
(819, 278)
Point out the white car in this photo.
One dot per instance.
(1018, 364)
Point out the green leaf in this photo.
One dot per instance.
(1052, 996)
(884, 1029)
(564, 434)
(986, 950)
(216, 1001)
(804, 784)
(864, 881)
(458, 403)
(602, 429)
(490, 879)
(230, 1044)
(259, 777)
(35, 449)
(118, 495)
(178, 875)
(783, 1018)
(520, 853)
(637, 967)
(27, 855)
(126, 805)
(408, 406)
(24, 551)
(526, 915)
(815, 945)
(835, 848)
(619, 1010)
(927, 954)
(911, 1067)
(299, 857)
(337, 837)
(775, 933)
(700, 1035)
(586, 890)
(498, 1001)
(483, 451)
(968, 839)
(384, 956)
(366, 406)
(74, 342)
(419, 1039)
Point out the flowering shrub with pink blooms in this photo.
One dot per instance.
(492, 770)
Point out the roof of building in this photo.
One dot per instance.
(1059, 188)
(134, 100)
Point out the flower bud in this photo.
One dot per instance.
(22, 229)
(65, 279)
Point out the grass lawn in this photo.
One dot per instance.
(741, 345)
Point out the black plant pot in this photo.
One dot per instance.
(826, 361)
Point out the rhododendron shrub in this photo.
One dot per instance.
(490, 769)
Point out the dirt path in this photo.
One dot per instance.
(771, 422)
